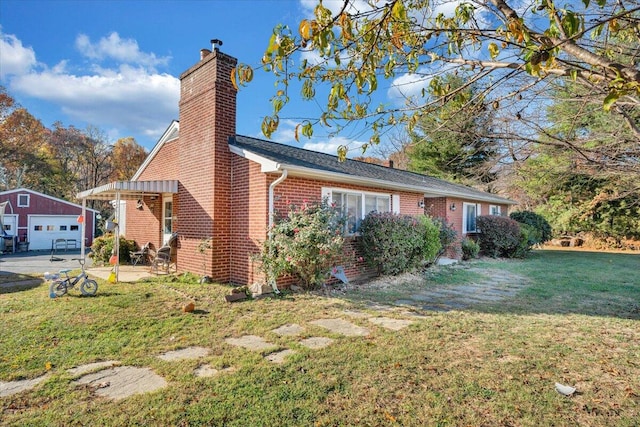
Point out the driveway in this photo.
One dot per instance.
(33, 262)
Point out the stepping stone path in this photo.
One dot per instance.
(185, 353)
(389, 323)
(208, 371)
(123, 381)
(119, 382)
(250, 342)
(315, 343)
(13, 387)
(341, 326)
(288, 330)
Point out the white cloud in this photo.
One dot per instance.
(120, 50)
(408, 87)
(15, 59)
(127, 99)
(128, 96)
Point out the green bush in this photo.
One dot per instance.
(431, 245)
(306, 243)
(529, 236)
(470, 249)
(448, 237)
(542, 230)
(392, 243)
(499, 236)
(102, 248)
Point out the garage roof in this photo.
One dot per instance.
(129, 190)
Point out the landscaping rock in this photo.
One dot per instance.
(235, 297)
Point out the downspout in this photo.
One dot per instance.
(272, 186)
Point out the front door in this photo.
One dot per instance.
(167, 218)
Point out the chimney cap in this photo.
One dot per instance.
(216, 43)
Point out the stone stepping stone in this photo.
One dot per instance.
(341, 326)
(208, 371)
(250, 342)
(123, 381)
(356, 314)
(290, 330)
(279, 356)
(184, 353)
(391, 324)
(315, 343)
(89, 367)
(13, 387)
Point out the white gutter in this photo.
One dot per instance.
(272, 186)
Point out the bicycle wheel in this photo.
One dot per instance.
(89, 287)
(57, 289)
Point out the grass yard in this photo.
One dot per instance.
(575, 320)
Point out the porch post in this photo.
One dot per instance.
(83, 227)
(117, 233)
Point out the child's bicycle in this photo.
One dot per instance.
(60, 286)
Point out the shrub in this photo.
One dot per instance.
(470, 249)
(448, 237)
(306, 243)
(499, 236)
(543, 231)
(392, 243)
(102, 248)
(431, 246)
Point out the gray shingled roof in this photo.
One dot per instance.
(289, 157)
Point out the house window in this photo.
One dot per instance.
(356, 205)
(23, 200)
(74, 227)
(51, 228)
(470, 212)
(63, 228)
(37, 228)
(494, 210)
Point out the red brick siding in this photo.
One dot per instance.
(207, 119)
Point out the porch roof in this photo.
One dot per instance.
(129, 190)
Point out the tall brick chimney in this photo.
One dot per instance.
(207, 120)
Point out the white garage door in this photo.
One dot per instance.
(45, 229)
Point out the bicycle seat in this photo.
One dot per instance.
(65, 271)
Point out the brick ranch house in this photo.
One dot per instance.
(202, 180)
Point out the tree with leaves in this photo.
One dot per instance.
(455, 142)
(128, 155)
(516, 54)
(22, 138)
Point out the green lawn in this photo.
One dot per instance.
(574, 321)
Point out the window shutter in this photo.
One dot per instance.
(395, 203)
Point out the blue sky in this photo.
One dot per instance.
(115, 64)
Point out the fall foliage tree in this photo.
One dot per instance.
(128, 155)
(515, 52)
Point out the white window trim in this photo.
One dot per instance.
(497, 207)
(464, 217)
(327, 193)
(22, 205)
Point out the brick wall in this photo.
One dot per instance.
(207, 119)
